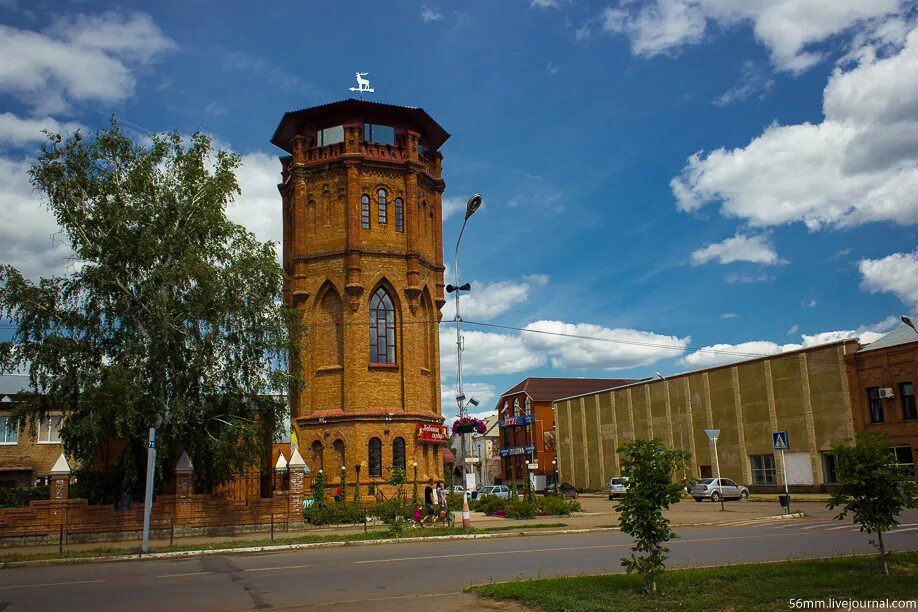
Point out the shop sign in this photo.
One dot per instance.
(517, 450)
(432, 434)
(523, 419)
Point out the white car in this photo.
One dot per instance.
(502, 491)
(455, 489)
(617, 486)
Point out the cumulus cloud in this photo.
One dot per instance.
(755, 249)
(485, 393)
(486, 353)
(78, 58)
(28, 231)
(18, 131)
(455, 204)
(787, 28)
(429, 14)
(896, 274)
(615, 349)
(487, 301)
(258, 209)
(859, 165)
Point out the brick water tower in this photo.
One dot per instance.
(363, 255)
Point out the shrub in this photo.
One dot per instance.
(19, 497)
(521, 508)
(337, 514)
(397, 527)
(454, 501)
(557, 506)
(390, 509)
(490, 504)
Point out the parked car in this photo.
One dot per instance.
(565, 489)
(502, 491)
(708, 488)
(617, 486)
(456, 489)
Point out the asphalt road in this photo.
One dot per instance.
(402, 576)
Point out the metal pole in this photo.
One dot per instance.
(148, 495)
(459, 394)
(786, 492)
(720, 488)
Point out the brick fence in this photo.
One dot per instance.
(185, 513)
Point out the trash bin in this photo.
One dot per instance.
(784, 500)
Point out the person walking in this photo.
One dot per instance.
(429, 501)
(443, 502)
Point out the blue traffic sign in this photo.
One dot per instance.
(779, 438)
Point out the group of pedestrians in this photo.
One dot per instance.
(436, 505)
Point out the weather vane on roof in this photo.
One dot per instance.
(363, 85)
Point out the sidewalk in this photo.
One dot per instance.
(598, 512)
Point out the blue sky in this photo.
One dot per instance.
(668, 175)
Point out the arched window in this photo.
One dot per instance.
(374, 451)
(382, 328)
(318, 460)
(381, 194)
(339, 452)
(365, 211)
(399, 215)
(328, 335)
(398, 453)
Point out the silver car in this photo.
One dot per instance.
(709, 488)
(617, 486)
(502, 491)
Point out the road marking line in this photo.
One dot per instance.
(819, 526)
(498, 552)
(900, 530)
(50, 584)
(269, 569)
(390, 597)
(183, 575)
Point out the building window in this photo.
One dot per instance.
(398, 453)
(50, 430)
(382, 134)
(382, 328)
(331, 135)
(381, 195)
(876, 404)
(399, 215)
(903, 455)
(374, 452)
(763, 469)
(8, 433)
(365, 211)
(907, 391)
(516, 408)
(828, 465)
(339, 452)
(318, 457)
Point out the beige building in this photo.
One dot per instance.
(804, 393)
(26, 454)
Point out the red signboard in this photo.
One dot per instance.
(432, 434)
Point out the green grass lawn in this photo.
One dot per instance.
(761, 586)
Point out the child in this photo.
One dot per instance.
(418, 516)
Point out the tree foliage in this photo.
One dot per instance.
(169, 313)
(873, 488)
(649, 466)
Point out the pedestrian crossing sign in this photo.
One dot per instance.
(780, 440)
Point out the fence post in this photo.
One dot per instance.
(272, 522)
(297, 471)
(60, 541)
(171, 532)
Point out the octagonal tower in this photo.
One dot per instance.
(363, 254)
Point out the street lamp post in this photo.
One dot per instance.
(473, 204)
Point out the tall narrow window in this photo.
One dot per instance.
(763, 469)
(382, 328)
(907, 391)
(399, 215)
(876, 405)
(381, 195)
(398, 453)
(318, 459)
(365, 211)
(50, 430)
(8, 433)
(339, 452)
(374, 455)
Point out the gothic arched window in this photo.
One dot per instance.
(382, 328)
(365, 211)
(381, 194)
(399, 215)
(374, 452)
(398, 453)
(339, 451)
(318, 460)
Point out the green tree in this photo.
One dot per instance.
(318, 489)
(398, 479)
(170, 314)
(873, 488)
(649, 466)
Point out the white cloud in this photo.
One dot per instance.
(755, 249)
(546, 3)
(537, 279)
(896, 274)
(259, 207)
(453, 205)
(81, 58)
(729, 315)
(793, 330)
(859, 165)
(28, 230)
(429, 14)
(486, 353)
(787, 28)
(487, 301)
(18, 131)
(754, 81)
(737, 278)
(618, 349)
(485, 393)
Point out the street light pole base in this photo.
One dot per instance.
(466, 514)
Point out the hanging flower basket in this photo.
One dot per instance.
(469, 425)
